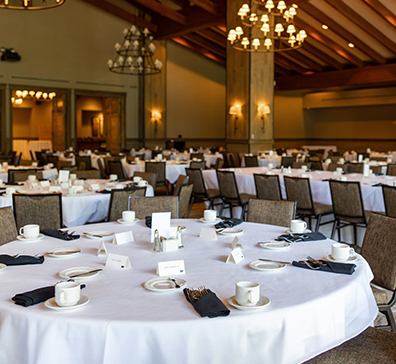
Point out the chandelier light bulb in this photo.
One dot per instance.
(292, 12)
(231, 36)
(117, 47)
(291, 29)
(279, 29)
(245, 42)
(32, 93)
(269, 5)
(127, 44)
(292, 40)
(25, 93)
(256, 43)
(253, 18)
(110, 63)
(18, 93)
(238, 32)
(125, 32)
(281, 6)
(268, 43)
(265, 18)
(265, 28)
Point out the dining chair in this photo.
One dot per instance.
(389, 194)
(145, 206)
(119, 201)
(316, 166)
(231, 160)
(22, 176)
(88, 174)
(299, 189)
(52, 159)
(41, 209)
(181, 180)
(229, 193)
(355, 167)
(160, 168)
(298, 165)
(219, 163)
(198, 164)
(197, 156)
(391, 170)
(12, 172)
(70, 168)
(267, 186)
(32, 157)
(184, 196)
(102, 170)
(251, 161)
(41, 157)
(373, 346)
(18, 160)
(200, 192)
(150, 177)
(12, 155)
(332, 167)
(7, 225)
(348, 207)
(379, 159)
(376, 169)
(115, 167)
(6, 159)
(287, 161)
(379, 250)
(271, 212)
(84, 159)
(62, 164)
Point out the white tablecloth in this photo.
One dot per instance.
(125, 323)
(49, 174)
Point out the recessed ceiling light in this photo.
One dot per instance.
(351, 45)
(324, 26)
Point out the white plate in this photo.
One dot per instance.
(164, 284)
(231, 231)
(51, 304)
(351, 259)
(2, 266)
(133, 222)
(306, 231)
(263, 301)
(266, 266)
(210, 222)
(274, 245)
(30, 240)
(103, 235)
(66, 273)
(63, 252)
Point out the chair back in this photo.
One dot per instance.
(42, 160)
(333, 167)
(84, 159)
(18, 160)
(157, 167)
(267, 186)
(13, 172)
(227, 185)
(389, 193)
(197, 155)
(52, 159)
(119, 201)
(347, 201)
(195, 177)
(22, 176)
(355, 167)
(376, 169)
(219, 163)
(287, 161)
(279, 213)
(41, 209)
(184, 196)
(145, 206)
(12, 155)
(379, 249)
(251, 161)
(391, 170)
(7, 225)
(197, 164)
(181, 180)
(62, 164)
(231, 160)
(91, 174)
(299, 189)
(316, 166)
(115, 167)
(150, 177)
(102, 170)
(298, 165)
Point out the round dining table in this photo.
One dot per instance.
(309, 312)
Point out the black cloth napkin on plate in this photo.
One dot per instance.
(208, 305)
(104, 191)
(59, 234)
(21, 260)
(13, 184)
(228, 223)
(38, 295)
(326, 266)
(148, 221)
(316, 235)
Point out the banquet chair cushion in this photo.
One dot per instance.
(119, 201)
(52, 159)
(88, 174)
(197, 156)
(62, 164)
(184, 195)
(44, 210)
(287, 161)
(267, 186)
(145, 206)
(219, 163)
(271, 212)
(316, 166)
(150, 177)
(380, 296)
(22, 176)
(7, 225)
(389, 193)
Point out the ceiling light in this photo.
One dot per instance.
(325, 27)
(351, 45)
(31, 4)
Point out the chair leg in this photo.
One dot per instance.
(387, 311)
(221, 209)
(191, 204)
(333, 230)
(319, 217)
(231, 210)
(211, 203)
(309, 223)
(354, 234)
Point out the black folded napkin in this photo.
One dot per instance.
(208, 305)
(103, 191)
(228, 223)
(13, 184)
(316, 235)
(20, 260)
(332, 267)
(59, 234)
(121, 180)
(148, 221)
(38, 295)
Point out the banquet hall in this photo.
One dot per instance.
(105, 89)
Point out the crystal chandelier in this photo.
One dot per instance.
(134, 56)
(269, 28)
(19, 96)
(30, 4)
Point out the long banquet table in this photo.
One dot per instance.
(310, 311)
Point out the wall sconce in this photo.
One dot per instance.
(156, 117)
(262, 111)
(235, 110)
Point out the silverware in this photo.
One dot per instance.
(85, 273)
(174, 281)
(66, 252)
(309, 265)
(275, 261)
(315, 261)
(97, 236)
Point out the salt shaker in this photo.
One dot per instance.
(157, 245)
(179, 237)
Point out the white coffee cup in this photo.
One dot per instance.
(113, 177)
(339, 170)
(71, 191)
(128, 216)
(341, 252)
(4, 164)
(298, 226)
(270, 165)
(1, 182)
(30, 231)
(47, 167)
(32, 178)
(119, 187)
(210, 215)
(73, 176)
(231, 169)
(10, 190)
(137, 179)
(304, 167)
(34, 164)
(67, 293)
(142, 183)
(51, 165)
(247, 293)
(343, 178)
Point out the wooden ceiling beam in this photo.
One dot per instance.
(205, 43)
(303, 59)
(382, 10)
(290, 65)
(213, 36)
(351, 77)
(206, 5)
(282, 71)
(162, 10)
(321, 55)
(312, 32)
(123, 14)
(182, 3)
(362, 23)
(342, 32)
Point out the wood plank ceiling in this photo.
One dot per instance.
(325, 60)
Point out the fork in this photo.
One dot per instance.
(174, 281)
(315, 261)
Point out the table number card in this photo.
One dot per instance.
(123, 238)
(55, 189)
(171, 268)
(95, 187)
(102, 251)
(78, 188)
(235, 256)
(160, 221)
(235, 244)
(63, 175)
(118, 261)
(45, 183)
(208, 234)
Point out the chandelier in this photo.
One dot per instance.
(31, 4)
(269, 28)
(19, 95)
(134, 56)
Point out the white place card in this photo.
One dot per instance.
(94, 187)
(63, 175)
(160, 221)
(55, 189)
(78, 188)
(123, 238)
(78, 182)
(45, 183)
(118, 261)
(171, 268)
(102, 251)
(34, 185)
(366, 170)
(235, 256)
(236, 244)
(64, 185)
(208, 234)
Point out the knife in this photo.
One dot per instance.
(85, 273)
(275, 261)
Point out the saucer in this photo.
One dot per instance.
(30, 240)
(231, 232)
(351, 259)
(66, 273)
(263, 301)
(306, 231)
(163, 284)
(132, 222)
(266, 266)
(274, 245)
(211, 221)
(63, 252)
(2, 266)
(104, 235)
(51, 304)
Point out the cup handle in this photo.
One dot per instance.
(62, 296)
(21, 231)
(250, 296)
(352, 251)
(305, 225)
